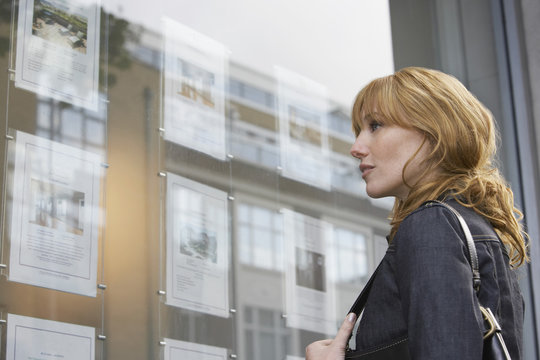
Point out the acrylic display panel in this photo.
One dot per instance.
(58, 50)
(310, 293)
(303, 128)
(197, 247)
(195, 71)
(181, 350)
(55, 215)
(31, 338)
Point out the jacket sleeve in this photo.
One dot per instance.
(435, 286)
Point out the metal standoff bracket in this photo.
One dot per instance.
(161, 292)
(102, 286)
(102, 337)
(161, 174)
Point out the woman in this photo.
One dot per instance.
(420, 136)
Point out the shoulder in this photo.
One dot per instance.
(429, 225)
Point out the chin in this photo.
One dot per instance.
(376, 195)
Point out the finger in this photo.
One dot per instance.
(345, 330)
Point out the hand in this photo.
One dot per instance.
(332, 349)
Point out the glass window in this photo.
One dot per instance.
(250, 116)
(260, 239)
(265, 337)
(351, 256)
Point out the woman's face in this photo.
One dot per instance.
(383, 151)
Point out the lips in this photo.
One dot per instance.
(366, 169)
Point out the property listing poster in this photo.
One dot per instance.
(55, 215)
(58, 50)
(181, 350)
(195, 69)
(310, 295)
(303, 131)
(31, 338)
(197, 247)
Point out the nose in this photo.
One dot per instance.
(359, 149)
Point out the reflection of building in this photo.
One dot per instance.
(300, 129)
(257, 244)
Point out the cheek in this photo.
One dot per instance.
(415, 166)
(396, 157)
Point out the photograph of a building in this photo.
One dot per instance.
(196, 84)
(57, 207)
(54, 23)
(198, 242)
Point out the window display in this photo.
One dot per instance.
(310, 294)
(181, 350)
(55, 217)
(303, 129)
(195, 70)
(32, 338)
(58, 49)
(197, 247)
(148, 148)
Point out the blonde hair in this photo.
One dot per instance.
(462, 140)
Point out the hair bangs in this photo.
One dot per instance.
(378, 101)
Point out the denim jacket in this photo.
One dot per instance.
(423, 290)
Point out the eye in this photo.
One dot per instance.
(374, 125)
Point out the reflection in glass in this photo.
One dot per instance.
(71, 125)
(265, 335)
(259, 237)
(351, 256)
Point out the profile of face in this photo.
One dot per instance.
(384, 151)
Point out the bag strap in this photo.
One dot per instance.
(493, 336)
(470, 243)
(360, 302)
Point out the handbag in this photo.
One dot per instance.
(494, 347)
